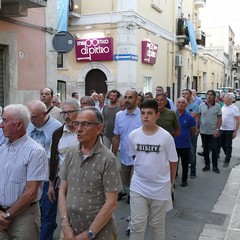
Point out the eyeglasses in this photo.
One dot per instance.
(84, 125)
(36, 117)
(68, 112)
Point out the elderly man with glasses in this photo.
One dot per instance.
(90, 183)
(62, 139)
(41, 129)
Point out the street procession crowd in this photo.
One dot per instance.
(79, 157)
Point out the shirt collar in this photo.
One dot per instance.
(136, 111)
(208, 105)
(96, 148)
(17, 143)
(181, 114)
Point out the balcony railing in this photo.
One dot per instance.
(200, 3)
(74, 8)
(19, 8)
(182, 32)
(201, 39)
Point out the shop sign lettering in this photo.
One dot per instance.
(94, 49)
(149, 52)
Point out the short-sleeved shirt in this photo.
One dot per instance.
(88, 180)
(186, 122)
(168, 120)
(109, 115)
(192, 108)
(21, 161)
(151, 177)
(229, 114)
(43, 134)
(198, 100)
(67, 140)
(209, 117)
(124, 124)
(55, 113)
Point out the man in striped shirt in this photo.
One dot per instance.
(24, 167)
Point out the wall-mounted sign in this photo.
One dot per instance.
(125, 57)
(149, 52)
(94, 49)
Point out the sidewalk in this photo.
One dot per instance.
(228, 203)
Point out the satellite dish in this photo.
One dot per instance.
(63, 42)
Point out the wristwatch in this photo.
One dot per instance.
(90, 234)
(7, 215)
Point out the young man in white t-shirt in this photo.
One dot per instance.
(155, 163)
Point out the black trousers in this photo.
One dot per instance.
(184, 154)
(212, 143)
(226, 143)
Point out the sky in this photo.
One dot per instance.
(218, 13)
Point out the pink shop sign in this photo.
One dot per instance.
(149, 52)
(94, 49)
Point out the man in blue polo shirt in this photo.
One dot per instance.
(193, 109)
(183, 141)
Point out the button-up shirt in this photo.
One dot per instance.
(21, 161)
(125, 123)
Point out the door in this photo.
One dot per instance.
(95, 79)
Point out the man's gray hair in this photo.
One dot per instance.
(98, 115)
(90, 100)
(229, 96)
(182, 99)
(19, 113)
(40, 105)
(73, 102)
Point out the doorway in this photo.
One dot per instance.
(95, 79)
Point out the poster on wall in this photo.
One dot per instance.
(94, 49)
(149, 52)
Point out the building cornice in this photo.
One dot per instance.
(123, 18)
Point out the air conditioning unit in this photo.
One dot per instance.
(179, 61)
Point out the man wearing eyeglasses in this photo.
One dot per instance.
(62, 139)
(90, 182)
(41, 129)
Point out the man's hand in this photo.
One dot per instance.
(82, 236)
(68, 232)
(4, 223)
(51, 194)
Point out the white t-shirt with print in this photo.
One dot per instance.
(151, 177)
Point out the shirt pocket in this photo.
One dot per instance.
(18, 174)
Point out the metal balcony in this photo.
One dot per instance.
(19, 8)
(74, 9)
(200, 3)
(182, 32)
(201, 39)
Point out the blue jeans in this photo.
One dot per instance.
(226, 143)
(48, 214)
(212, 143)
(193, 157)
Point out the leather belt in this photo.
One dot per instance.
(4, 209)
